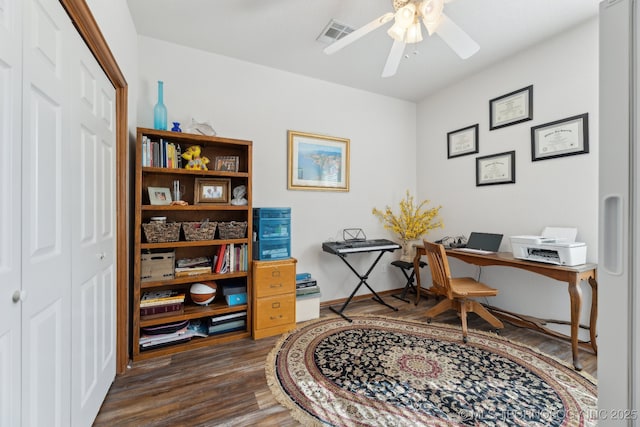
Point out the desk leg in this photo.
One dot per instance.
(594, 311)
(416, 268)
(575, 296)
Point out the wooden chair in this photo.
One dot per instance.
(457, 291)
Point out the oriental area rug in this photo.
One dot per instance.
(378, 371)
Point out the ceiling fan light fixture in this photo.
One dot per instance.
(431, 11)
(406, 15)
(414, 33)
(397, 32)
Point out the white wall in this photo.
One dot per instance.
(117, 27)
(553, 192)
(247, 101)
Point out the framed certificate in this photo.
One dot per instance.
(496, 169)
(462, 141)
(514, 107)
(566, 137)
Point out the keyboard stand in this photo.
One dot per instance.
(363, 281)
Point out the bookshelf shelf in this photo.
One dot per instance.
(163, 177)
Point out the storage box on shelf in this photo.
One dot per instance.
(274, 297)
(272, 231)
(185, 246)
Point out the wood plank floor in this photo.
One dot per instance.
(226, 386)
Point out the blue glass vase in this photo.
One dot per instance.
(160, 111)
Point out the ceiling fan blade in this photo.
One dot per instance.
(456, 38)
(356, 34)
(393, 60)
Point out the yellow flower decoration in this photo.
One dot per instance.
(412, 222)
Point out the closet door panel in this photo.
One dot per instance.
(10, 210)
(46, 213)
(93, 237)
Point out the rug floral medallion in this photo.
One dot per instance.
(378, 371)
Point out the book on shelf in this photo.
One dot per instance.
(151, 340)
(232, 325)
(227, 317)
(220, 257)
(150, 298)
(171, 307)
(308, 290)
(203, 261)
(191, 271)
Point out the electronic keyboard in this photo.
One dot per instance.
(347, 247)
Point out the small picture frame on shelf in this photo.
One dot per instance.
(226, 163)
(209, 190)
(159, 196)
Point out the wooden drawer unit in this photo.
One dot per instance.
(276, 311)
(274, 297)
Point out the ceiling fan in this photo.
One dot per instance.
(407, 29)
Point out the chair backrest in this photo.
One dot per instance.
(439, 265)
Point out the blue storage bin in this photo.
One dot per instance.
(272, 249)
(272, 228)
(271, 213)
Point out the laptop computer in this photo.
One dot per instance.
(483, 242)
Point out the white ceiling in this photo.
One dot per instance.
(282, 34)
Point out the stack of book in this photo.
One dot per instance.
(160, 302)
(231, 258)
(228, 323)
(193, 266)
(162, 335)
(306, 285)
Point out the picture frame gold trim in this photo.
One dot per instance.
(210, 190)
(317, 162)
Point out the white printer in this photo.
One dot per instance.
(556, 245)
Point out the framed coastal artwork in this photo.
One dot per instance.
(318, 162)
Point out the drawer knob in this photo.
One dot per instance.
(276, 285)
(275, 273)
(275, 305)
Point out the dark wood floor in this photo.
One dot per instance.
(225, 385)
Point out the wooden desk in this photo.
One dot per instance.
(571, 275)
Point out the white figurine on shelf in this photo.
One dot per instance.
(238, 196)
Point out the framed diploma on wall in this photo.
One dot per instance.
(462, 141)
(514, 107)
(496, 169)
(566, 137)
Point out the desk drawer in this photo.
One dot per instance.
(275, 311)
(274, 277)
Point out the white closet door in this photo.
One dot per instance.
(10, 220)
(93, 292)
(46, 215)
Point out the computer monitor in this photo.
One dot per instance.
(484, 241)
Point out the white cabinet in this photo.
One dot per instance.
(57, 220)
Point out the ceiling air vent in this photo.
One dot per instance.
(334, 31)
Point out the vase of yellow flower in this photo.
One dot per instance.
(412, 222)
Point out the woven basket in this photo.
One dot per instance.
(157, 232)
(232, 229)
(199, 230)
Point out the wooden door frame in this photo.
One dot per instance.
(83, 20)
